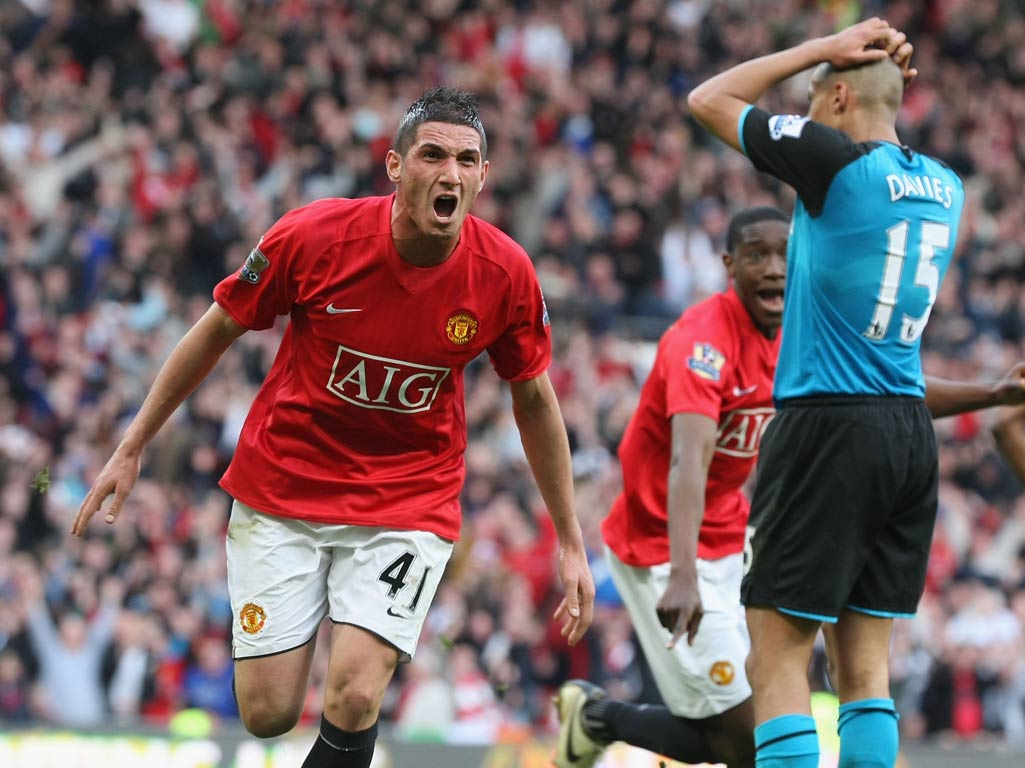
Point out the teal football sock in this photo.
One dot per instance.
(868, 734)
(789, 741)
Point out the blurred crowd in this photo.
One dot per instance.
(145, 145)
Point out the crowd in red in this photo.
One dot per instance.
(146, 144)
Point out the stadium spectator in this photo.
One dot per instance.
(131, 666)
(70, 654)
(14, 689)
(208, 679)
(295, 94)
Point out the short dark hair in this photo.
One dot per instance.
(443, 104)
(751, 216)
(879, 85)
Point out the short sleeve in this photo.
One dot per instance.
(267, 284)
(696, 364)
(797, 150)
(524, 350)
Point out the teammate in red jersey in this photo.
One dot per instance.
(348, 470)
(675, 537)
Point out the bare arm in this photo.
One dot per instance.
(547, 448)
(1009, 432)
(948, 398)
(718, 102)
(189, 363)
(693, 443)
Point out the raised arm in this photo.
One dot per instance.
(189, 363)
(948, 398)
(547, 448)
(719, 101)
(693, 435)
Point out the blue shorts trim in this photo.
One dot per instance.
(740, 127)
(880, 614)
(812, 616)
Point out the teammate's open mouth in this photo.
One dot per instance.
(445, 206)
(772, 298)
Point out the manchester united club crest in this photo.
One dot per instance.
(461, 328)
(721, 673)
(251, 618)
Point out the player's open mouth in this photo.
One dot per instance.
(772, 299)
(445, 206)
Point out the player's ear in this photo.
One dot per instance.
(393, 164)
(727, 261)
(841, 97)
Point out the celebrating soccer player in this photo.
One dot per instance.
(347, 474)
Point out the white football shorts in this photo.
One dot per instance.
(286, 575)
(707, 678)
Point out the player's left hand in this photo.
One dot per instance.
(117, 477)
(1011, 388)
(679, 609)
(900, 51)
(577, 607)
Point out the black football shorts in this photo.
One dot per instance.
(844, 507)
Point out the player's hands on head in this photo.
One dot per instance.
(117, 477)
(900, 50)
(859, 44)
(679, 609)
(577, 607)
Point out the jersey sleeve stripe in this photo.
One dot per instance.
(740, 127)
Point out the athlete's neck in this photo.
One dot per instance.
(872, 130)
(423, 251)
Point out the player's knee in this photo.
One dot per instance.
(353, 704)
(266, 719)
(753, 668)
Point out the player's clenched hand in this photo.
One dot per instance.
(1011, 388)
(857, 44)
(679, 609)
(577, 607)
(117, 477)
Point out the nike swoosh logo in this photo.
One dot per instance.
(391, 611)
(333, 310)
(738, 392)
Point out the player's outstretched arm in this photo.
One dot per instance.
(189, 363)
(547, 448)
(949, 398)
(718, 102)
(1009, 432)
(693, 443)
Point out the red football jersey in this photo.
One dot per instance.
(712, 361)
(361, 417)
